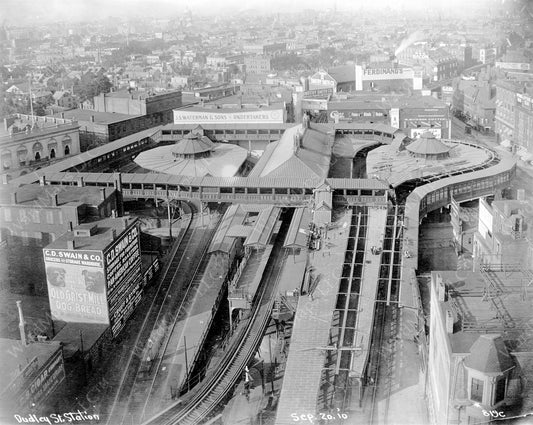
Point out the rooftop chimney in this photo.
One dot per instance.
(70, 226)
(42, 180)
(449, 322)
(92, 118)
(441, 288)
(113, 234)
(102, 193)
(125, 222)
(80, 182)
(62, 115)
(14, 198)
(71, 244)
(22, 324)
(54, 200)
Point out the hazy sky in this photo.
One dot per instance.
(13, 11)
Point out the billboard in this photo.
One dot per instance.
(44, 383)
(274, 116)
(123, 276)
(417, 132)
(76, 285)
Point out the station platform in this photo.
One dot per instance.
(377, 218)
(311, 329)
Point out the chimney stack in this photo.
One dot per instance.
(42, 180)
(22, 324)
(125, 222)
(62, 115)
(70, 226)
(92, 118)
(449, 322)
(71, 244)
(113, 234)
(14, 198)
(441, 288)
(80, 182)
(54, 200)
(102, 193)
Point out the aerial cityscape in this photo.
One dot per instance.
(248, 213)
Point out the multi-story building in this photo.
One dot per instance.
(137, 103)
(479, 346)
(514, 117)
(33, 216)
(257, 64)
(487, 55)
(28, 142)
(505, 233)
(94, 273)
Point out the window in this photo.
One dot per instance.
(50, 217)
(499, 393)
(7, 214)
(476, 390)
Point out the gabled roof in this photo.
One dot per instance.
(489, 355)
(343, 73)
(281, 159)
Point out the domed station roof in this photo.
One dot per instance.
(193, 145)
(428, 146)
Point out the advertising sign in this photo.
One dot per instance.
(417, 132)
(314, 104)
(375, 74)
(123, 275)
(44, 383)
(76, 285)
(207, 117)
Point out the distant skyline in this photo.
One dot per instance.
(17, 12)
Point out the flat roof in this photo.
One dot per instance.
(207, 109)
(71, 333)
(99, 117)
(17, 356)
(42, 196)
(509, 315)
(100, 240)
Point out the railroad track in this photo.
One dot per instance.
(196, 405)
(137, 362)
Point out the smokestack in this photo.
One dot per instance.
(71, 244)
(22, 324)
(42, 180)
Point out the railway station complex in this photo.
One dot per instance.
(317, 235)
(287, 244)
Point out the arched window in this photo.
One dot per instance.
(52, 153)
(6, 160)
(37, 156)
(67, 150)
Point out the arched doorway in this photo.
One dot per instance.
(37, 156)
(52, 153)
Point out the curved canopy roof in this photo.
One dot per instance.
(427, 144)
